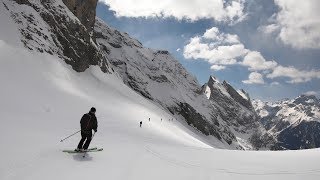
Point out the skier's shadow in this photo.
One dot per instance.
(79, 157)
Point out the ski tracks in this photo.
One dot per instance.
(184, 164)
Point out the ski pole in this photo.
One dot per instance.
(69, 136)
(93, 135)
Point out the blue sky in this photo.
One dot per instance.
(270, 49)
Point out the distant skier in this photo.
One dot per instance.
(140, 123)
(88, 123)
(149, 119)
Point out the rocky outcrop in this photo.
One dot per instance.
(49, 26)
(84, 10)
(304, 135)
(236, 109)
(237, 97)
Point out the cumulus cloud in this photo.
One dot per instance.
(255, 61)
(295, 75)
(221, 49)
(297, 23)
(311, 93)
(254, 78)
(275, 83)
(217, 67)
(269, 29)
(212, 33)
(219, 10)
(215, 47)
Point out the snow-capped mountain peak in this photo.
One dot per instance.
(214, 79)
(293, 121)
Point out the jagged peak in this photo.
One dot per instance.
(309, 96)
(213, 79)
(244, 94)
(306, 99)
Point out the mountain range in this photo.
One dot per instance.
(295, 123)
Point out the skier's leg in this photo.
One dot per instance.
(83, 138)
(86, 145)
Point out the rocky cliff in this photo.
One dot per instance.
(49, 26)
(84, 10)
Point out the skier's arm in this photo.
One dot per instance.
(82, 121)
(95, 127)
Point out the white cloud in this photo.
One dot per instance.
(221, 49)
(219, 10)
(310, 93)
(215, 47)
(298, 23)
(254, 78)
(212, 33)
(217, 67)
(268, 29)
(295, 75)
(232, 38)
(275, 83)
(255, 61)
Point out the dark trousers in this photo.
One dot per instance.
(85, 137)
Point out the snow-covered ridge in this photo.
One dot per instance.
(302, 108)
(236, 109)
(156, 75)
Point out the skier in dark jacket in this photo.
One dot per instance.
(88, 123)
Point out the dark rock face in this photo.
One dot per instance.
(196, 120)
(199, 122)
(237, 97)
(305, 135)
(307, 100)
(238, 112)
(85, 10)
(261, 140)
(229, 102)
(48, 27)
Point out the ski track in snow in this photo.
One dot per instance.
(185, 164)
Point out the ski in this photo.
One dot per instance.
(95, 149)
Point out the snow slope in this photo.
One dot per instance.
(42, 100)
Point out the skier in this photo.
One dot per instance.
(149, 119)
(88, 123)
(140, 123)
